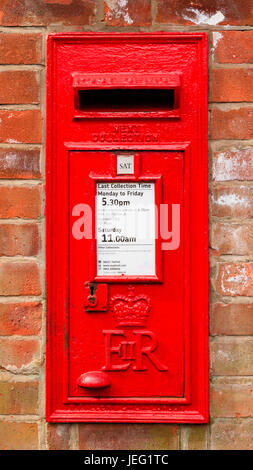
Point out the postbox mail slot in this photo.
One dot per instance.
(148, 95)
(135, 100)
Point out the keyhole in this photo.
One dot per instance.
(92, 290)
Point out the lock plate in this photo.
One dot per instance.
(96, 297)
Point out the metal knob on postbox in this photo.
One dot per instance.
(94, 379)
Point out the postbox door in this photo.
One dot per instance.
(127, 301)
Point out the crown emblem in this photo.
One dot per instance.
(130, 310)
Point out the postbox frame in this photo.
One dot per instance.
(179, 147)
(59, 321)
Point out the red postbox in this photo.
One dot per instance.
(127, 228)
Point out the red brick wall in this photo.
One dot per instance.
(23, 30)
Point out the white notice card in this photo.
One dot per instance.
(125, 229)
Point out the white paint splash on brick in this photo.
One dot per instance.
(239, 242)
(60, 430)
(198, 17)
(231, 200)
(30, 368)
(222, 354)
(223, 167)
(119, 8)
(12, 141)
(231, 165)
(216, 38)
(231, 283)
(10, 160)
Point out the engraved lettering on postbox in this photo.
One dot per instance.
(128, 351)
(126, 133)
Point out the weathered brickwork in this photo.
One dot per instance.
(23, 30)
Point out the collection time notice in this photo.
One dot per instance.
(125, 228)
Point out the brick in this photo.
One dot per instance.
(235, 279)
(210, 13)
(19, 164)
(18, 126)
(18, 397)
(232, 356)
(58, 436)
(232, 397)
(233, 164)
(20, 48)
(234, 47)
(231, 434)
(18, 436)
(20, 318)
(231, 239)
(232, 201)
(232, 123)
(232, 319)
(128, 12)
(20, 201)
(232, 85)
(46, 12)
(19, 355)
(128, 437)
(194, 437)
(19, 239)
(19, 87)
(19, 278)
